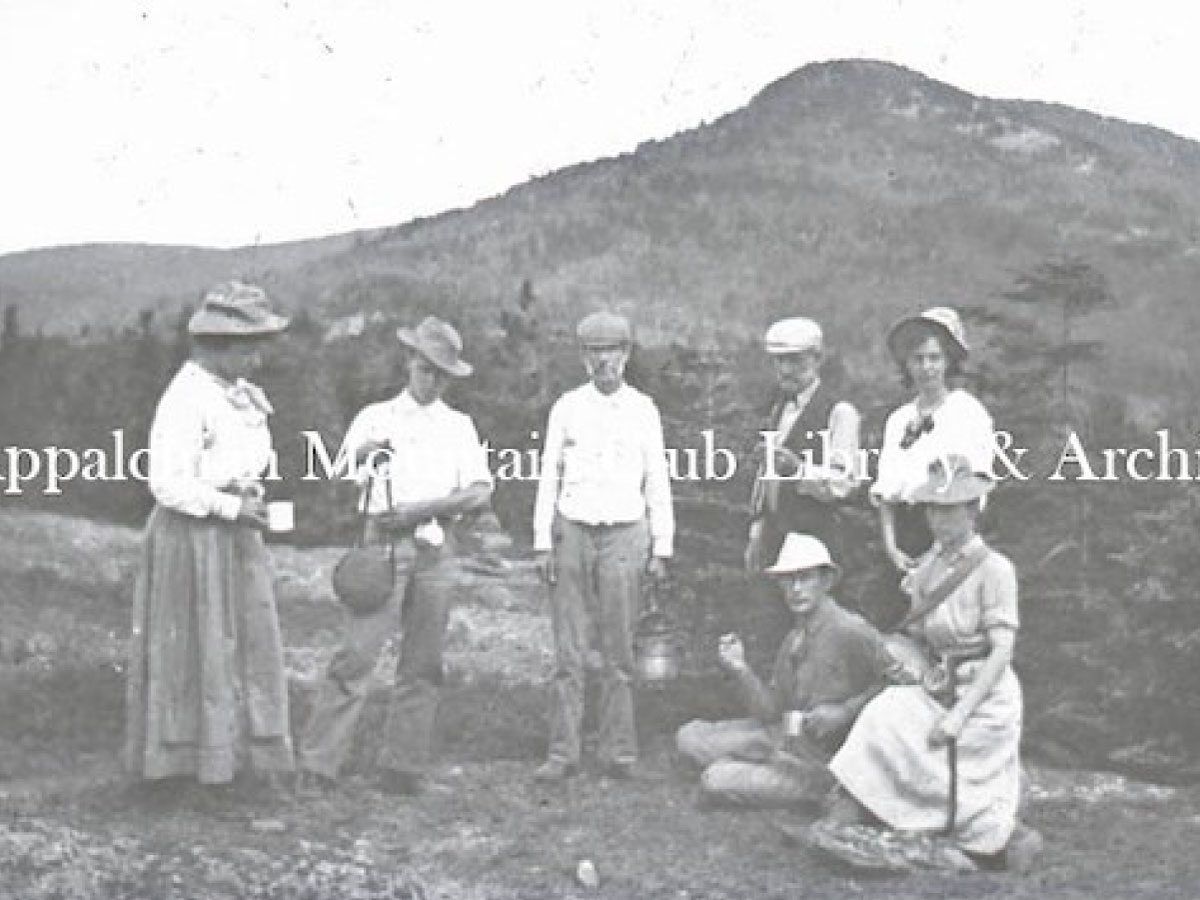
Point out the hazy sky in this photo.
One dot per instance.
(225, 122)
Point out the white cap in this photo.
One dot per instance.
(793, 336)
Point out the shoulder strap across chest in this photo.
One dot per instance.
(927, 602)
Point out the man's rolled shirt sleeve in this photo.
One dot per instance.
(548, 481)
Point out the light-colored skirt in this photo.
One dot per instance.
(889, 767)
(206, 692)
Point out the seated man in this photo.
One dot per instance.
(828, 667)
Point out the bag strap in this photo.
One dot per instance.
(947, 586)
(364, 502)
(361, 539)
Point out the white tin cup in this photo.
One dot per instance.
(281, 515)
(793, 723)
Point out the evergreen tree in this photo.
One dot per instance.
(1077, 288)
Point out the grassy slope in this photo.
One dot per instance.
(486, 830)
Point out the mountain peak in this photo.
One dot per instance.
(857, 80)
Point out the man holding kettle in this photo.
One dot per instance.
(602, 519)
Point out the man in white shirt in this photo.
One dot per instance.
(422, 467)
(814, 458)
(603, 515)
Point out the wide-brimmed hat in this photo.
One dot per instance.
(794, 335)
(604, 329)
(952, 481)
(939, 319)
(801, 552)
(234, 309)
(438, 342)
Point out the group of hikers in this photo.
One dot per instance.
(915, 730)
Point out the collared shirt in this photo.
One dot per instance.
(961, 425)
(208, 441)
(832, 657)
(839, 473)
(434, 451)
(604, 464)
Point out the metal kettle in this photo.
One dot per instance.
(657, 652)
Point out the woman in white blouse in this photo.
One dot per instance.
(940, 421)
(206, 694)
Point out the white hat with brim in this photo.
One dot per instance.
(801, 552)
(233, 309)
(958, 483)
(794, 335)
(439, 343)
(940, 319)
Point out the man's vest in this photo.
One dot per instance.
(794, 511)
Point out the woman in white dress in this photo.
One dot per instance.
(943, 753)
(930, 350)
(206, 693)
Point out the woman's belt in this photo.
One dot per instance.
(946, 675)
(964, 655)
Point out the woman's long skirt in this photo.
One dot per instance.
(889, 767)
(206, 692)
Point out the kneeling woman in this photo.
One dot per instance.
(931, 757)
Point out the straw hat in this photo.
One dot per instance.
(957, 484)
(940, 319)
(234, 309)
(438, 342)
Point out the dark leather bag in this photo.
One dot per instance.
(365, 577)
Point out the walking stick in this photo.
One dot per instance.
(952, 749)
(952, 758)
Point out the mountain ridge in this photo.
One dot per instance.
(853, 190)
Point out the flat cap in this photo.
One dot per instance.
(793, 335)
(604, 328)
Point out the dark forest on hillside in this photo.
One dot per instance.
(1112, 623)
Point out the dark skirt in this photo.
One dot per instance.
(206, 693)
(911, 529)
(884, 604)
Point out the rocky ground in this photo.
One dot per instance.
(72, 827)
